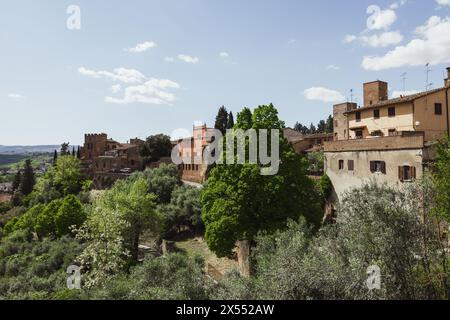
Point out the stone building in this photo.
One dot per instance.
(105, 160)
(306, 143)
(193, 169)
(389, 140)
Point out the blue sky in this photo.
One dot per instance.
(136, 68)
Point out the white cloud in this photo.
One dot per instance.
(398, 93)
(15, 96)
(188, 59)
(118, 74)
(153, 91)
(141, 47)
(443, 2)
(383, 40)
(432, 45)
(323, 94)
(380, 19)
(398, 4)
(116, 88)
(224, 55)
(349, 38)
(169, 59)
(139, 87)
(333, 67)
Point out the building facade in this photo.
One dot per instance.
(387, 140)
(106, 160)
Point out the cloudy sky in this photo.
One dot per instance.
(135, 68)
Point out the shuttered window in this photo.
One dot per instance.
(406, 173)
(378, 166)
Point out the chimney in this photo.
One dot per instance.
(447, 81)
(375, 92)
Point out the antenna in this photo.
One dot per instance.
(351, 95)
(427, 71)
(403, 76)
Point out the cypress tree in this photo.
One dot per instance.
(17, 180)
(221, 120)
(230, 122)
(55, 157)
(28, 179)
(78, 152)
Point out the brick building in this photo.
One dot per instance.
(389, 140)
(105, 159)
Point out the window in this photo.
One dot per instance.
(359, 134)
(378, 166)
(341, 164)
(391, 112)
(406, 173)
(335, 123)
(358, 116)
(351, 165)
(377, 133)
(132, 162)
(392, 132)
(438, 109)
(345, 133)
(376, 114)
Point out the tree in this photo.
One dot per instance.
(28, 180)
(161, 181)
(184, 210)
(230, 121)
(329, 125)
(131, 200)
(17, 180)
(66, 176)
(55, 157)
(45, 221)
(244, 119)
(155, 147)
(73, 152)
(70, 214)
(221, 120)
(322, 127)
(238, 202)
(78, 153)
(441, 178)
(312, 129)
(64, 149)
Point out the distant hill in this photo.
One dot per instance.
(30, 149)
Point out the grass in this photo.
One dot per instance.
(198, 246)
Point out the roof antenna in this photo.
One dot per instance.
(428, 70)
(351, 95)
(403, 75)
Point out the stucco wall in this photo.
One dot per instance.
(403, 120)
(435, 126)
(344, 179)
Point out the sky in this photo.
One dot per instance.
(136, 68)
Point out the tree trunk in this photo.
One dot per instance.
(243, 254)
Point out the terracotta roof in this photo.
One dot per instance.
(398, 100)
(292, 135)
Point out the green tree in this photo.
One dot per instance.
(66, 176)
(45, 221)
(230, 121)
(441, 178)
(155, 147)
(244, 119)
(28, 180)
(161, 181)
(55, 157)
(17, 180)
(221, 122)
(238, 202)
(70, 214)
(329, 125)
(64, 149)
